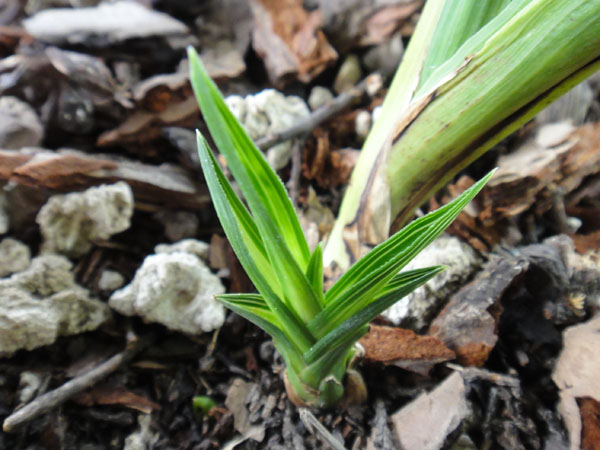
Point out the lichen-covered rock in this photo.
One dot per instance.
(319, 96)
(417, 309)
(70, 223)
(174, 289)
(110, 280)
(266, 112)
(14, 256)
(46, 275)
(191, 246)
(42, 303)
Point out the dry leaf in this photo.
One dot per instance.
(427, 421)
(289, 40)
(576, 375)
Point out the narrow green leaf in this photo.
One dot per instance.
(314, 272)
(237, 225)
(252, 307)
(320, 367)
(400, 286)
(260, 185)
(459, 20)
(375, 269)
(272, 209)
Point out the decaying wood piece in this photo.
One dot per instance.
(404, 348)
(289, 40)
(528, 177)
(65, 170)
(468, 324)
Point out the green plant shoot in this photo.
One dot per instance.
(315, 332)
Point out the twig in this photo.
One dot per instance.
(294, 181)
(73, 387)
(317, 428)
(318, 116)
(483, 374)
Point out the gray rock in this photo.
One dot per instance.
(417, 309)
(46, 275)
(319, 96)
(178, 224)
(110, 280)
(70, 223)
(267, 112)
(385, 57)
(107, 22)
(20, 125)
(349, 74)
(191, 246)
(42, 303)
(14, 257)
(362, 124)
(174, 289)
(4, 220)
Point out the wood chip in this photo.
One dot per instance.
(467, 324)
(404, 348)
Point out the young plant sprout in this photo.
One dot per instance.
(314, 331)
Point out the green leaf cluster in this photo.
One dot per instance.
(314, 331)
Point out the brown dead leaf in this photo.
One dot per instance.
(143, 126)
(66, 170)
(328, 167)
(54, 170)
(380, 26)
(290, 40)
(116, 395)
(590, 419)
(404, 348)
(427, 421)
(467, 324)
(576, 375)
(156, 93)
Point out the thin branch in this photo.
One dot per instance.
(52, 399)
(317, 428)
(319, 115)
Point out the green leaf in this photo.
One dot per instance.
(400, 286)
(272, 209)
(260, 185)
(314, 272)
(252, 307)
(460, 19)
(242, 235)
(374, 270)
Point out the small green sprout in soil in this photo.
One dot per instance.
(315, 331)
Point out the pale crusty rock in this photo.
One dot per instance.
(362, 124)
(267, 112)
(191, 246)
(174, 289)
(319, 96)
(42, 303)
(417, 309)
(70, 223)
(14, 256)
(110, 280)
